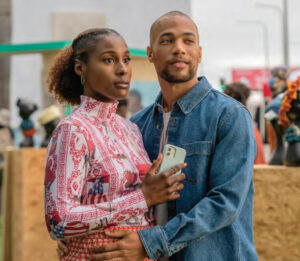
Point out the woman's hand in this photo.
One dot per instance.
(162, 187)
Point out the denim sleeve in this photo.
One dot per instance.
(230, 179)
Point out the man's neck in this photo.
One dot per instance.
(172, 92)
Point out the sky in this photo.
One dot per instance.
(228, 42)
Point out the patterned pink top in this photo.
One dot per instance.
(95, 164)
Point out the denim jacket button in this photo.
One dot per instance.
(158, 126)
(158, 254)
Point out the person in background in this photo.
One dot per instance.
(270, 136)
(6, 136)
(6, 140)
(241, 93)
(134, 102)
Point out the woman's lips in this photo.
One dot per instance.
(122, 85)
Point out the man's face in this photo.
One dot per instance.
(175, 49)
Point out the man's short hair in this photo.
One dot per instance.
(171, 13)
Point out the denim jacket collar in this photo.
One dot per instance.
(188, 101)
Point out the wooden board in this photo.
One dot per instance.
(25, 233)
(277, 213)
(34, 226)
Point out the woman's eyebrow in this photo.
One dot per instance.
(113, 52)
(108, 51)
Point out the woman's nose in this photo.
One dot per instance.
(121, 69)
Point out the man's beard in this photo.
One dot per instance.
(177, 78)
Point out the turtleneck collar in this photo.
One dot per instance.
(97, 109)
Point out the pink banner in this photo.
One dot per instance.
(257, 78)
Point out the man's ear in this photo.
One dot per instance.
(150, 54)
(200, 54)
(79, 67)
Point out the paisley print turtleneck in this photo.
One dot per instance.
(95, 164)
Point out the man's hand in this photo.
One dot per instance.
(62, 247)
(128, 248)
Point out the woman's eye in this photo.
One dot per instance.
(127, 60)
(108, 60)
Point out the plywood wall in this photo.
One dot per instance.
(25, 233)
(277, 213)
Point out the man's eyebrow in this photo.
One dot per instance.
(166, 34)
(189, 34)
(171, 34)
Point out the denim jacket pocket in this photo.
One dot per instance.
(197, 158)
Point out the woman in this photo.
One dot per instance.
(97, 171)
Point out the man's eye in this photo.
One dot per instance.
(108, 60)
(166, 41)
(189, 41)
(127, 60)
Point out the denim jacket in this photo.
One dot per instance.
(212, 219)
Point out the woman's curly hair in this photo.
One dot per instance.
(62, 80)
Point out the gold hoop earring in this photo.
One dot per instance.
(82, 80)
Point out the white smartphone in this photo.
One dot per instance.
(172, 155)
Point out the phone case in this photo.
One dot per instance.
(172, 155)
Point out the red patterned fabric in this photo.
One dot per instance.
(79, 247)
(95, 163)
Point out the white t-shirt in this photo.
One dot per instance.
(161, 210)
(164, 134)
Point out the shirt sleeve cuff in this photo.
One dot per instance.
(155, 242)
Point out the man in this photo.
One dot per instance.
(212, 220)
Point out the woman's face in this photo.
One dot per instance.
(108, 71)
